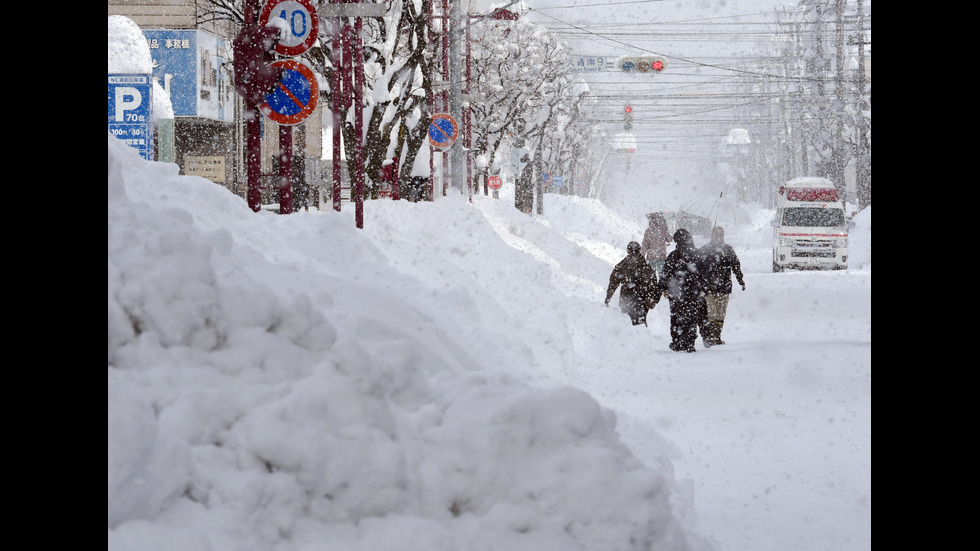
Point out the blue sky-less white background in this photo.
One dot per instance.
(447, 378)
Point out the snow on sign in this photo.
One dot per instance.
(295, 98)
(302, 24)
(443, 131)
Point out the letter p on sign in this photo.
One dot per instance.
(127, 99)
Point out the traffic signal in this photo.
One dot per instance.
(642, 64)
(253, 48)
(629, 110)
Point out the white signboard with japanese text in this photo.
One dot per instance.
(588, 63)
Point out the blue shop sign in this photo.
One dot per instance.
(191, 66)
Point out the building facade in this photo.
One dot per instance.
(192, 55)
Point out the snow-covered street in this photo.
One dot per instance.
(447, 378)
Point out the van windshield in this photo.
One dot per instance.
(813, 217)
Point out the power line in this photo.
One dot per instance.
(577, 6)
(691, 61)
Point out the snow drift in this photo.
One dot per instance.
(255, 406)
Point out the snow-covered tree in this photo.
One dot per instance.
(809, 113)
(395, 52)
(527, 96)
(518, 70)
(830, 94)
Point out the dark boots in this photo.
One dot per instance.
(711, 333)
(719, 325)
(677, 347)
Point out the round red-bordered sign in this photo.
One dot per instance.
(443, 131)
(303, 23)
(295, 97)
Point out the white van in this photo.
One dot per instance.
(810, 229)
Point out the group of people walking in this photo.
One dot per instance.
(696, 282)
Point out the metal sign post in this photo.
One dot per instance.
(291, 103)
(297, 94)
(348, 81)
(254, 79)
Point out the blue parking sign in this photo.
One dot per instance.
(130, 103)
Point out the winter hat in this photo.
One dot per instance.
(684, 239)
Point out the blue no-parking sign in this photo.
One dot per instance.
(130, 102)
(295, 97)
(443, 131)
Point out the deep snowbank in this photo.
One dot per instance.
(264, 396)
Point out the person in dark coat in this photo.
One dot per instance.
(683, 286)
(718, 262)
(637, 283)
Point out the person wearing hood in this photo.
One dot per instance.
(655, 241)
(718, 263)
(637, 283)
(683, 286)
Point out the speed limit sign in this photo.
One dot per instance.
(301, 21)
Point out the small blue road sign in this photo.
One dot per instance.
(443, 131)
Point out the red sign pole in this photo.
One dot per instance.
(254, 78)
(394, 179)
(335, 93)
(257, 76)
(253, 156)
(285, 169)
(253, 131)
(347, 90)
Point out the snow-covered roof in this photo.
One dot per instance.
(738, 136)
(810, 181)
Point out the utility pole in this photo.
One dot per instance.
(456, 89)
(861, 176)
(839, 150)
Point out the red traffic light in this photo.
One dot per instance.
(253, 50)
(629, 109)
(657, 65)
